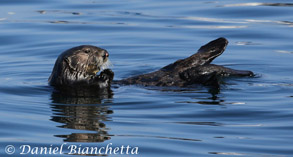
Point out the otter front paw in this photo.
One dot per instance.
(107, 74)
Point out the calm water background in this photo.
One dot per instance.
(248, 116)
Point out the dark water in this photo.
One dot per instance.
(247, 116)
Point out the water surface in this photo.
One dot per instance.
(247, 116)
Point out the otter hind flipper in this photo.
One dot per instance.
(207, 53)
(224, 71)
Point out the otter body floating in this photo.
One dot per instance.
(195, 69)
(78, 67)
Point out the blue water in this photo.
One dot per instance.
(246, 117)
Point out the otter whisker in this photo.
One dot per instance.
(106, 65)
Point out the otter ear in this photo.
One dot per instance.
(76, 61)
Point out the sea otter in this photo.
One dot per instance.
(78, 67)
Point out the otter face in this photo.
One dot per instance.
(86, 59)
(78, 64)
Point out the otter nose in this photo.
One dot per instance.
(106, 54)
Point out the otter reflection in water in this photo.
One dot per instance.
(82, 113)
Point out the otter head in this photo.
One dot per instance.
(86, 59)
(78, 64)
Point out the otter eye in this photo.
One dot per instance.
(87, 50)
